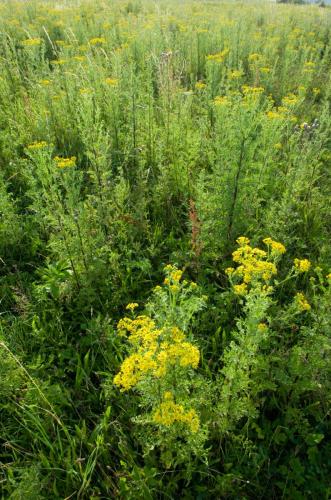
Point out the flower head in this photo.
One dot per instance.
(301, 302)
(37, 145)
(31, 42)
(200, 85)
(276, 247)
(132, 306)
(302, 265)
(242, 241)
(65, 162)
(170, 412)
(240, 289)
(99, 40)
(112, 82)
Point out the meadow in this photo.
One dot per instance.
(165, 258)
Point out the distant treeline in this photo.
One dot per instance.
(321, 3)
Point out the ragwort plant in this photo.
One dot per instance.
(161, 368)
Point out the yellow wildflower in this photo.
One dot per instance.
(31, 42)
(254, 57)
(168, 267)
(113, 82)
(37, 145)
(253, 264)
(132, 306)
(177, 334)
(302, 265)
(247, 90)
(276, 247)
(45, 82)
(176, 275)
(156, 350)
(219, 57)
(133, 369)
(274, 115)
(200, 85)
(290, 100)
(170, 412)
(97, 41)
(309, 64)
(59, 62)
(302, 302)
(79, 58)
(235, 74)
(65, 162)
(240, 289)
(242, 241)
(221, 100)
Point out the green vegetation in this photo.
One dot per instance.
(165, 258)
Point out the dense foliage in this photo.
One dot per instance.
(165, 259)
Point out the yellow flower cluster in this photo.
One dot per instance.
(31, 42)
(169, 412)
(173, 278)
(37, 145)
(219, 56)
(240, 289)
(302, 265)
(233, 75)
(97, 41)
(290, 100)
(200, 85)
(254, 57)
(302, 302)
(59, 62)
(252, 262)
(113, 82)
(79, 58)
(221, 100)
(156, 351)
(277, 114)
(45, 82)
(85, 91)
(132, 306)
(276, 247)
(248, 90)
(65, 162)
(309, 67)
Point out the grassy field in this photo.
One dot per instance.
(165, 258)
